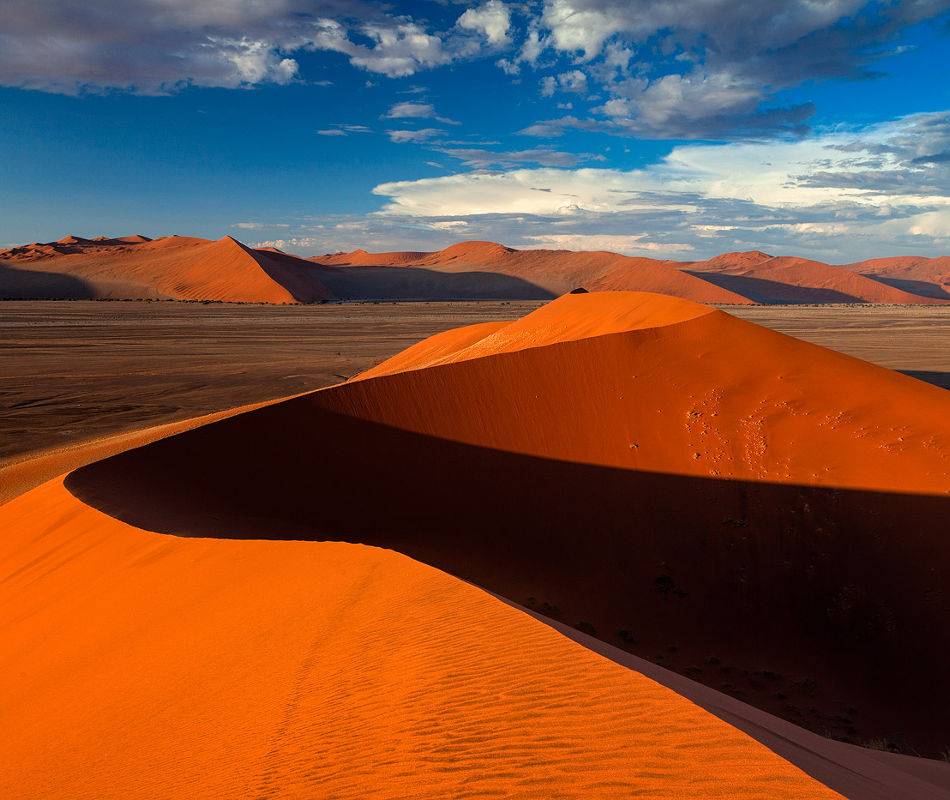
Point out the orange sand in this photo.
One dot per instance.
(929, 277)
(797, 495)
(539, 273)
(787, 279)
(196, 269)
(175, 267)
(707, 483)
(151, 666)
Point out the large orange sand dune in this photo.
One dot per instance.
(153, 666)
(652, 470)
(717, 489)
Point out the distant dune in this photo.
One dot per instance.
(928, 277)
(763, 515)
(175, 267)
(765, 279)
(180, 268)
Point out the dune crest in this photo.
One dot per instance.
(723, 477)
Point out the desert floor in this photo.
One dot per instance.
(71, 372)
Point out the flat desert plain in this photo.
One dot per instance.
(75, 371)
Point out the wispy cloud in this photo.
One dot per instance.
(483, 159)
(416, 111)
(416, 136)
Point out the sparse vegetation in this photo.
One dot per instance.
(587, 627)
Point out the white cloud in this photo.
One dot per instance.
(479, 158)
(573, 81)
(399, 50)
(810, 194)
(627, 245)
(416, 111)
(492, 20)
(448, 225)
(257, 226)
(706, 68)
(421, 135)
(579, 27)
(161, 46)
(331, 132)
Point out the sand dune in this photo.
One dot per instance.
(929, 277)
(542, 274)
(151, 666)
(645, 468)
(731, 278)
(176, 267)
(786, 279)
(642, 463)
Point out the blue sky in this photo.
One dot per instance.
(669, 128)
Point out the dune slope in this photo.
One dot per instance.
(929, 277)
(786, 279)
(152, 666)
(758, 512)
(174, 267)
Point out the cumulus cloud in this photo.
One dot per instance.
(799, 195)
(699, 105)
(161, 46)
(492, 20)
(707, 68)
(398, 50)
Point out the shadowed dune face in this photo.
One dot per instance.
(678, 480)
(419, 283)
(20, 283)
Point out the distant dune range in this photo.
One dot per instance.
(183, 268)
(668, 478)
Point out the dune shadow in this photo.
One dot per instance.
(760, 290)
(941, 379)
(19, 283)
(417, 283)
(784, 579)
(922, 288)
